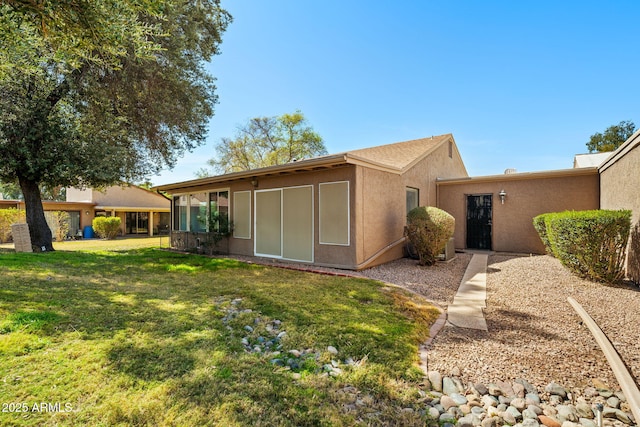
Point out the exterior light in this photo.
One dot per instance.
(503, 195)
(254, 182)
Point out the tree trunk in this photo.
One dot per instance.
(41, 239)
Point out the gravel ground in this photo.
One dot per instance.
(534, 333)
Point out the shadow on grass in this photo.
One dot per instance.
(151, 363)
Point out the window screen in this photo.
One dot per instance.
(334, 213)
(242, 214)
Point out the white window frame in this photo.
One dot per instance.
(188, 195)
(255, 218)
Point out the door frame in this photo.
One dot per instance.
(490, 225)
(283, 191)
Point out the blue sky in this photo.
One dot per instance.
(519, 84)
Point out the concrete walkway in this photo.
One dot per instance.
(468, 304)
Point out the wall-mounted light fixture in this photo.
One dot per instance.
(254, 182)
(86, 212)
(503, 195)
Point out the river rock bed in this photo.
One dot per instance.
(519, 403)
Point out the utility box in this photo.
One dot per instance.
(449, 252)
(21, 237)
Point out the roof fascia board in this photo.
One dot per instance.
(131, 208)
(428, 152)
(520, 176)
(325, 161)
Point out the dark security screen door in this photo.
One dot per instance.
(479, 222)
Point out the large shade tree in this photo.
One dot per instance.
(266, 141)
(94, 92)
(613, 137)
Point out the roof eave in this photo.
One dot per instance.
(309, 164)
(520, 176)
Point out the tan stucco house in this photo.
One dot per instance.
(348, 210)
(496, 212)
(142, 212)
(344, 210)
(620, 189)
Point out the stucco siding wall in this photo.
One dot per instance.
(438, 164)
(512, 228)
(381, 208)
(620, 189)
(324, 254)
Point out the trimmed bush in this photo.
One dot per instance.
(539, 223)
(106, 227)
(429, 229)
(8, 217)
(591, 244)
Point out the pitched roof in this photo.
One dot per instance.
(395, 158)
(400, 155)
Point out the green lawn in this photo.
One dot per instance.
(151, 337)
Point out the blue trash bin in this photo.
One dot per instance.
(88, 232)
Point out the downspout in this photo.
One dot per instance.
(378, 254)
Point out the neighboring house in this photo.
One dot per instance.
(620, 189)
(78, 213)
(142, 211)
(496, 212)
(344, 210)
(590, 160)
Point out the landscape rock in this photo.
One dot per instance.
(494, 390)
(447, 402)
(551, 410)
(435, 379)
(548, 421)
(532, 399)
(508, 418)
(490, 422)
(529, 414)
(567, 413)
(585, 422)
(613, 402)
(448, 386)
(517, 415)
(458, 398)
(519, 403)
(584, 411)
(530, 422)
(556, 389)
(446, 418)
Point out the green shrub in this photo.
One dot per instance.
(539, 223)
(591, 244)
(8, 217)
(429, 229)
(106, 227)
